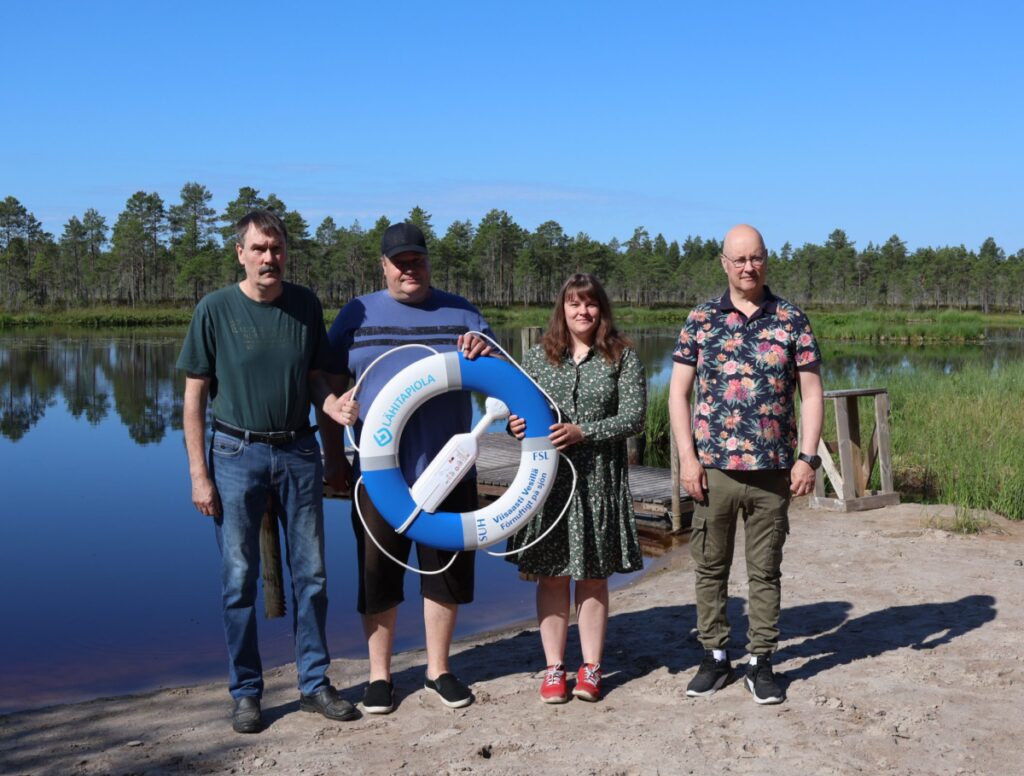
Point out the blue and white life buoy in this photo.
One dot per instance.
(382, 431)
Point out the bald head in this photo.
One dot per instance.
(743, 240)
(744, 261)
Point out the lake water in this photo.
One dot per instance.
(110, 577)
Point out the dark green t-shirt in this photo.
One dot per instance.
(258, 355)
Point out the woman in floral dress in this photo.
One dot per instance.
(595, 377)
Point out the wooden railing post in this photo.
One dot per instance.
(884, 443)
(851, 480)
(846, 423)
(635, 447)
(270, 561)
(673, 453)
(529, 336)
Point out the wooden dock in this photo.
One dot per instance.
(651, 487)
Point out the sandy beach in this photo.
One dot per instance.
(901, 653)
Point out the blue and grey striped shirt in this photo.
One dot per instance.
(373, 324)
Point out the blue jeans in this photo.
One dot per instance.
(246, 474)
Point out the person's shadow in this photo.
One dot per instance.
(918, 626)
(640, 642)
(637, 643)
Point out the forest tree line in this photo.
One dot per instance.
(157, 253)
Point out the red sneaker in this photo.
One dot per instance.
(553, 689)
(588, 682)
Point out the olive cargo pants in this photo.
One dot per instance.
(762, 497)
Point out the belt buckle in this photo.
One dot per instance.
(280, 437)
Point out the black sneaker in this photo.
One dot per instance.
(711, 676)
(453, 693)
(379, 697)
(246, 716)
(761, 681)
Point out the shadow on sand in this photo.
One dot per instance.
(644, 641)
(638, 643)
(918, 626)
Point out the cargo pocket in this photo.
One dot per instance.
(698, 538)
(780, 530)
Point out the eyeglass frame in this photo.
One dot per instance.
(755, 261)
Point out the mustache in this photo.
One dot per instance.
(270, 268)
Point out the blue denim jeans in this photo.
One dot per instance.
(246, 474)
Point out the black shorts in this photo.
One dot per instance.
(382, 581)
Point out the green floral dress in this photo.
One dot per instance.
(597, 537)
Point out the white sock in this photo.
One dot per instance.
(753, 660)
(718, 654)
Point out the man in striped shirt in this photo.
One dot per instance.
(408, 310)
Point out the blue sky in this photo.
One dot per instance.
(875, 117)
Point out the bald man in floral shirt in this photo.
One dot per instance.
(747, 353)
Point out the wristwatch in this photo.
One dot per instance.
(814, 461)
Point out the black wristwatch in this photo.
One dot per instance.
(814, 461)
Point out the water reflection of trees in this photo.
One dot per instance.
(132, 374)
(23, 402)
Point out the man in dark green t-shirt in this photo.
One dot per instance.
(258, 349)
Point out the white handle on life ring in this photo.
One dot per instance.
(381, 434)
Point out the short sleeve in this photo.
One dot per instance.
(480, 323)
(342, 333)
(687, 346)
(807, 352)
(199, 350)
(324, 357)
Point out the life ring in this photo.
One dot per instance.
(382, 431)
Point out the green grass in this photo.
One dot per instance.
(904, 325)
(100, 317)
(956, 438)
(963, 432)
(631, 317)
(867, 325)
(965, 521)
(657, 429)
(886, 325)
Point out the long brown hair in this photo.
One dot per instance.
(608, 341)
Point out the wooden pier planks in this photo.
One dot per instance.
(651, 487)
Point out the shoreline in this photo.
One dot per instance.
(875, 325)
(219, 675)
(900, 648)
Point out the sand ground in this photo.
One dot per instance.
(902, 653)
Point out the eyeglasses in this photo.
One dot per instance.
(755, 261)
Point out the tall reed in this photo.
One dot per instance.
(965, 430)
(657, 429)
(957, 438)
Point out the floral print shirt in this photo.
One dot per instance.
(743, 415)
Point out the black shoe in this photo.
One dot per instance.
(761, 681)
(379, 697)
(711, 676)
(326, 700)
(454, 694)
(246, 718)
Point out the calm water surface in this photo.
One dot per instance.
(110, 577)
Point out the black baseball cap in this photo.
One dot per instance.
(402, 238)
